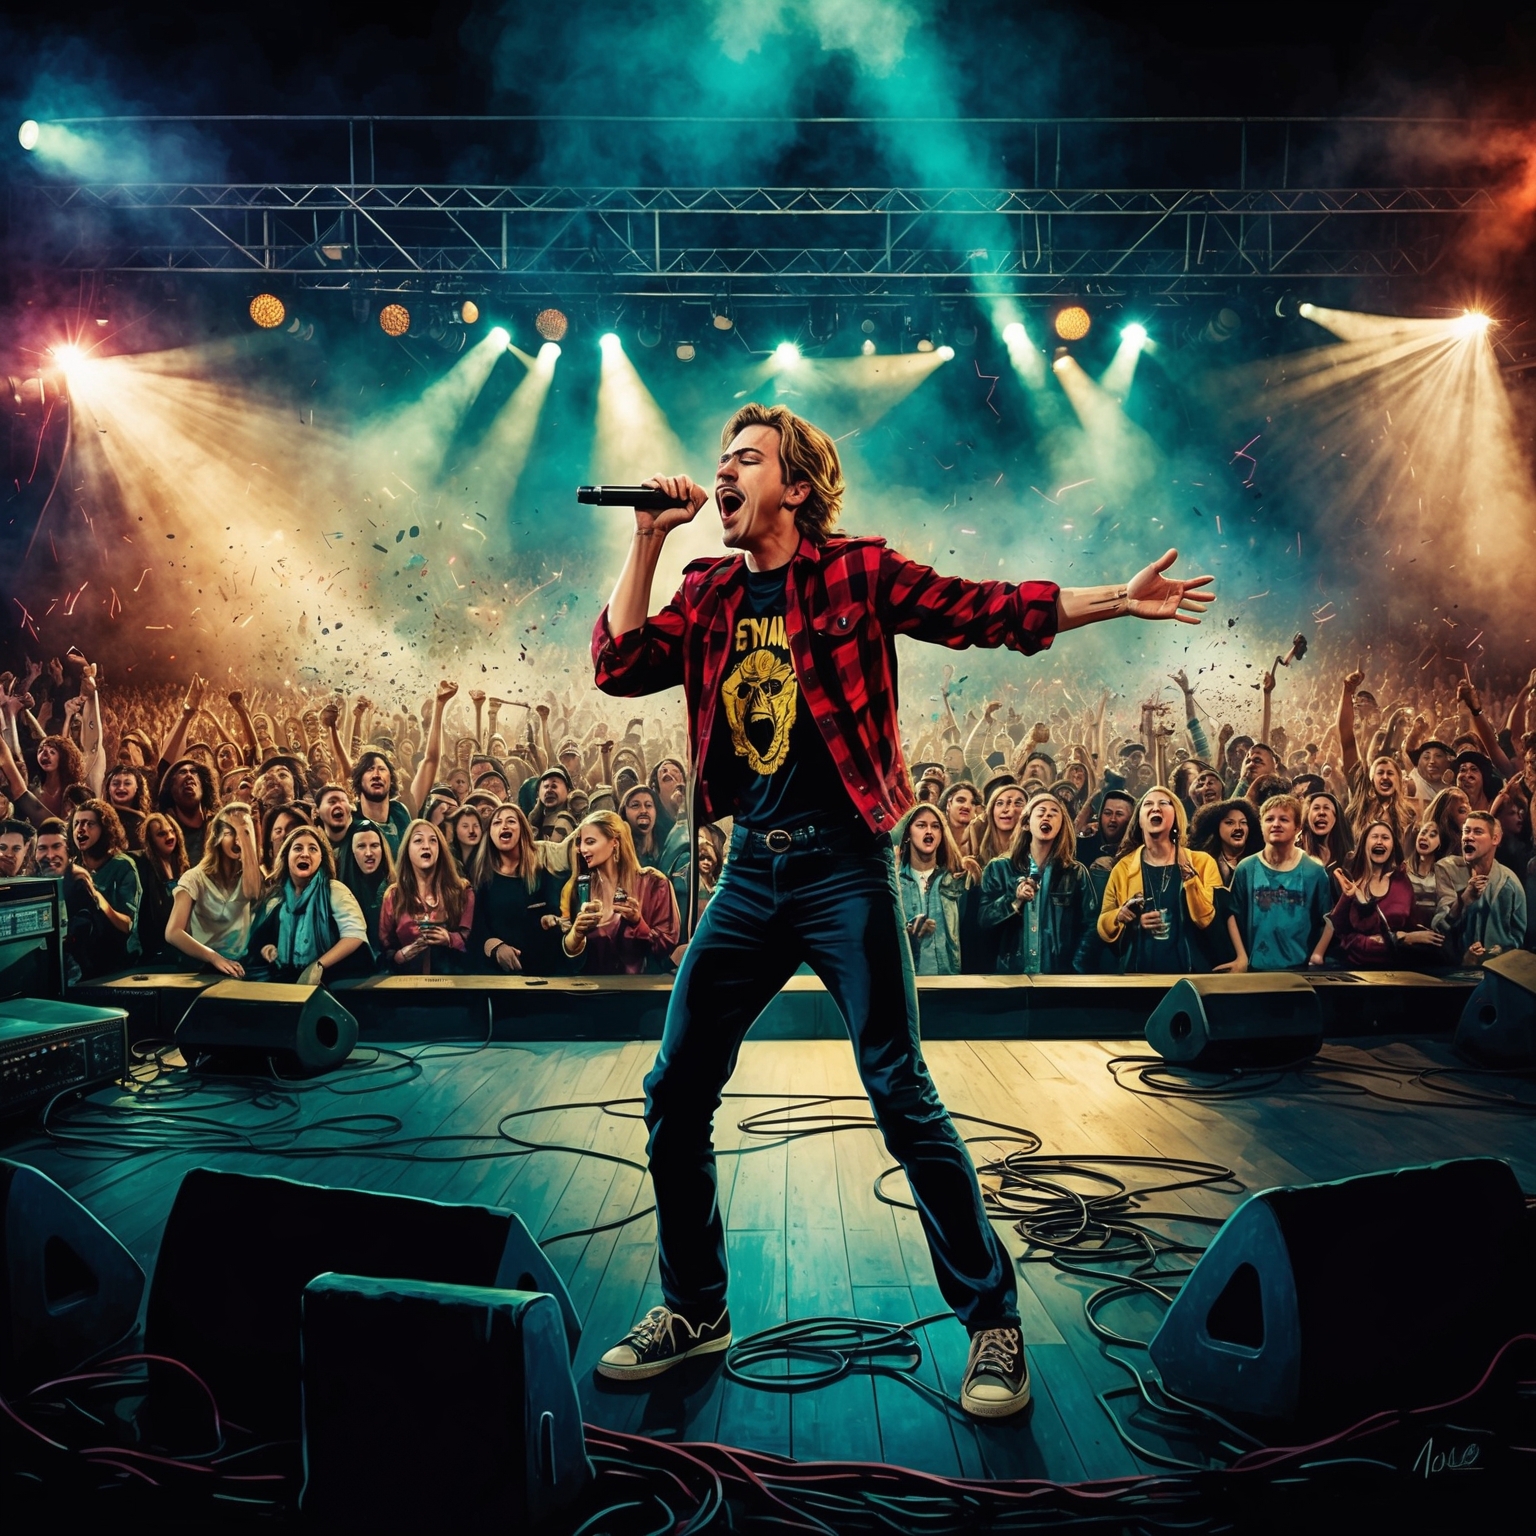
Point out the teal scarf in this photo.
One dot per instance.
(304, 924)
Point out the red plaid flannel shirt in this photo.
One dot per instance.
(846, 601)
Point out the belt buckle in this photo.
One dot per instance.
(778, 840)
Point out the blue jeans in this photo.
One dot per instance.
(832, 903)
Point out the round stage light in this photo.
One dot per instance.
(549, 352)
(1306, 311)
(946, 352)
(500, 335)
(469, 312)
(609, 342)
(867, 325)
(1072, 322)
(394, 319)
(67, 355)
(28, 134)
(1014, 333)
(686, 351)
(720, 313)
(925, 344)
(1470, 323)
(786, 354)
(1135, 334)
(268, 311)
(551, 324)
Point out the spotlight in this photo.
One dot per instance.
(68, 356)
(720, 313)
(549, 351)
(500, 335)
(551, 324)
(28, 134)
(1221, 327)
(1470, 323)
(1014, 333)
(1306, 311)
(1060, 363)
(609, 342)
(1072, 323)
(867, 325)
(868, 349)
(786, 354)
(1134, 333)
(394, 319)
(946, 352)
(686, 351)
(268, 311)
(467, 313)
(925, 344)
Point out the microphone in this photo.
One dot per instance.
(643, 498)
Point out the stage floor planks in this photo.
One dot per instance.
(806, 1234)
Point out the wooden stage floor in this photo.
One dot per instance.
(807, 1236)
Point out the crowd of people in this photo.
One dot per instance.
(1355, 827)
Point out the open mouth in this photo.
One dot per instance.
(729, 500)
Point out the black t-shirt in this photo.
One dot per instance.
(768, 763)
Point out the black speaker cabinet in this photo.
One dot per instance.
(1498, 1024)
(1318, 1305)
(70, 1289)
(244, 1025)
(1258, 1019)
(239, 1249)
(463, 1394)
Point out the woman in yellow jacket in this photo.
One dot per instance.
(1161, 894)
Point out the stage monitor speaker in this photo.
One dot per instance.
(1498, 1024)
(1318, 1305)
(1254, 1020)
(239, 1249)
(464, 1394)
(244, 1025)
(70, 1289)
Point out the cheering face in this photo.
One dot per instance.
(186, 787)
(1157, 816)
(1046, 819)
(672, 787)
(87, 831)
(122, 788)
(423, 849)
(468, 829)
(1478, 840)
(749, 485)
(962, 807)
(1457, 805)
(282, 825)
(596, 847)
(1321, 816)
(47, 757)
(1234, 833)
(1259, 763)
(304, 858)
(925, 833)
(1007, 808)
(553, 792)
(1385, 779)
(1378, 844)
(505, 832)
(1426, 840)
(368, 852)
(335, 810)
(163, 839)
(1432, 764)
(709, 859)
(640, 812)
(13, 853)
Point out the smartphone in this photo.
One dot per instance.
(1137, 903)
(619, 895)
(583, 890)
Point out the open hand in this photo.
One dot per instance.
(1152, 595)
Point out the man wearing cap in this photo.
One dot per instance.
(1039, 768)
(550, 819)
(1431, 768)
(785, 648)
(1116, 808)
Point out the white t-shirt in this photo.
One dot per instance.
(222, 922)
(350, 922)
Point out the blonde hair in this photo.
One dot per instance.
(451, 886)
(950, 859)
(482, 861)
(1064, 846)
(627, 868)
(223, 871)
(806, 456)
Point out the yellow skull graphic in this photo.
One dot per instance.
(760, 697)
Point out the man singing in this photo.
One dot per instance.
(785, 649)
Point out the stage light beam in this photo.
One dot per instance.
(1469, 324)
(1135, 334)
(786, 354)
(500, 335)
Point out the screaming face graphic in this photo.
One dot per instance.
(760, 697)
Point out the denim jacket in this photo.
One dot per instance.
(939, 953)
(1067, 912)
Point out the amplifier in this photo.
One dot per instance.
(47, 1047)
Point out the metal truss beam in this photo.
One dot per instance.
(777, 240)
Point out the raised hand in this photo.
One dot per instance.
(445, 691)
(1152, 595)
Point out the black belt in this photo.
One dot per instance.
(788, 839)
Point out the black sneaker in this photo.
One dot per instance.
(660, 1340)
(996, 1374)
